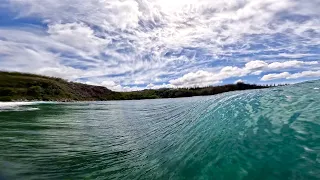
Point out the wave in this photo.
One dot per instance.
(270, 133)
(15, 104)
(19, 106)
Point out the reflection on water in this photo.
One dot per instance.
(260, 134)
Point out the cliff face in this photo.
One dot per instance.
(21, 86)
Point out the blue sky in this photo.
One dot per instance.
(137, 44)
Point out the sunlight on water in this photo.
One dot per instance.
(259, 134)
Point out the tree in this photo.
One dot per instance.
(7, 92)
(35, 91)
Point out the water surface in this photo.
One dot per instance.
(259, 134)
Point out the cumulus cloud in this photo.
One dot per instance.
(290, 64)
(205, 78)
(114, 86)
(152, 86)
(304, 74)
(275, 76)
(286, 75)
(259, 65)
(199, 78)
(256, 65)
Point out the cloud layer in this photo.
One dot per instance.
(137, 44)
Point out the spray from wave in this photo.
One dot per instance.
(19, 106)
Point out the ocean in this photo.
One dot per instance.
(257, 134)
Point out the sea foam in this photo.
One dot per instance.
(18, 106)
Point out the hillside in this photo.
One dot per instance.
(21, 86)
(16, 86)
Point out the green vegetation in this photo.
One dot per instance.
(187, 92)
(16, 86)
(20, 86)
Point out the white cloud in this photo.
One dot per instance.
(78, 36)
(205, 78)
(256, 65)
(219, 22)
(286, 75)
(114, 86)
(304, 74)
(155, 41)
(139, 82)
(275, 76)
(239, 81)
(61, 71)
(199, 78)
(259, 65)
(290, 64)
(295, 55)
(152, 86)
(257, 73)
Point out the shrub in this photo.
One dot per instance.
(35, 91)
(7, 92)
(5, 98)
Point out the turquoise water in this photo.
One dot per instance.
(259, 134)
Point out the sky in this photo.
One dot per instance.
(128, 45)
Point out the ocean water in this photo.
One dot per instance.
(258, 134)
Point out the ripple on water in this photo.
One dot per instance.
(271, 134)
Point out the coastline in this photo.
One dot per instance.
(22, 87)
(97, 100)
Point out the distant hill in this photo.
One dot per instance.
(16, 86)
(22, 86)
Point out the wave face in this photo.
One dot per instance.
(259, 134)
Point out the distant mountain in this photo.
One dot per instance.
(15, 86)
